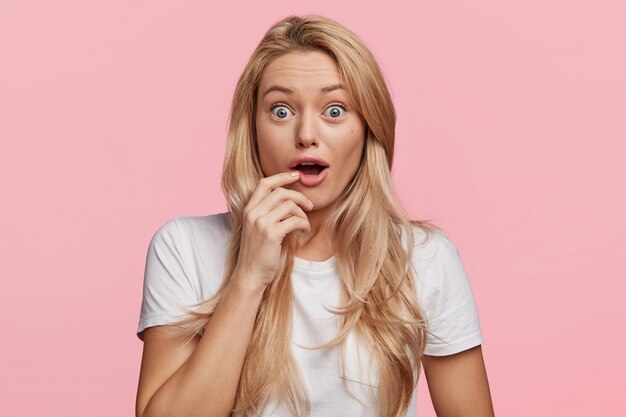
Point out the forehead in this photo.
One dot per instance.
(298, 69)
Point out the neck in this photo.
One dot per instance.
(315, 245)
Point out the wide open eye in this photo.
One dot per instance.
(282, 111)
(335, 111)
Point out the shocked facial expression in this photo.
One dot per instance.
(303, 111)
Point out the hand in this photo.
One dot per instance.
(271, 213)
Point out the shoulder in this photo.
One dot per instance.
(183, 234)
(436, 243)
(429, 242)
(435, 258)
(213, 225)
(189, 251)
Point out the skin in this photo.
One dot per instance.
(458, 384)
(312, 123)
(201, 377)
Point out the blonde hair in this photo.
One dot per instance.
(378, 291)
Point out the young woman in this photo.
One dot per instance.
(314, 294)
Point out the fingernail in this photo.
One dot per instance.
(311, 203)
(294, 173)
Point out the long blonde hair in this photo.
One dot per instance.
(378, 292)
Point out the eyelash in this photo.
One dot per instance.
(343, 106)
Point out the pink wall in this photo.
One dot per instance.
(511, 136)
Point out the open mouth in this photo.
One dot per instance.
(309, 169)
(311, 174)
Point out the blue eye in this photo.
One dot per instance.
(335, 113)
(282, 110)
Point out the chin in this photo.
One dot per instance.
(321, 205)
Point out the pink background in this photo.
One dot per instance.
(511, 136)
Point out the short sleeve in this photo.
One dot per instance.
(167, 289)
(452, 314)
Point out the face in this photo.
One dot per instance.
(302, 112)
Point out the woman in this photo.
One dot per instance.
(314, 294)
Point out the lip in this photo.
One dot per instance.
(312, 180)
(313, 159)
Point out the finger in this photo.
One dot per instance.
(267, 184)
(289, 225)
(283, 211)
(278, 196)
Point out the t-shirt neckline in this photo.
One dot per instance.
(314, 266)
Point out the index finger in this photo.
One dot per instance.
(266, 185)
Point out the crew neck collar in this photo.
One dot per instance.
(314, 266)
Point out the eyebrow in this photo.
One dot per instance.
(289, 91)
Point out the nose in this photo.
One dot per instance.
(306, 135)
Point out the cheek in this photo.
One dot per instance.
(355, 143)
(349, 153)
(265, 152)
(269, 150)
(262, 141)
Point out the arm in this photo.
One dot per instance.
(458, 384)
(201, 377)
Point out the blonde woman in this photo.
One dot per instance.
(314, 295)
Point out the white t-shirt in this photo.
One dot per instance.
(185, 265)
